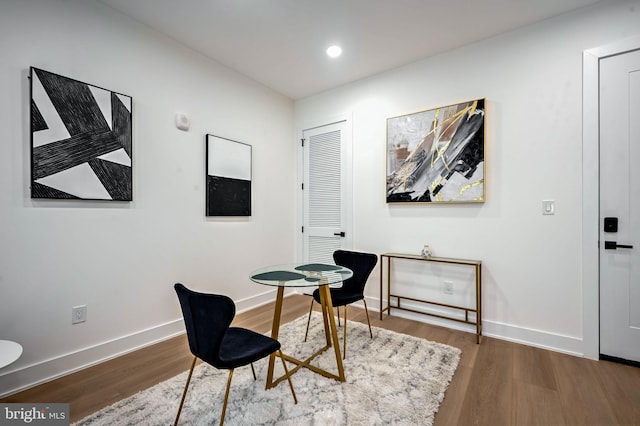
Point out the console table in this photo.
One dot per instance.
(476, 264)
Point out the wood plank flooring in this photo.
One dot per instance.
(496, 383)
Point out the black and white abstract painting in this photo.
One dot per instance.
(81, 144)
(228, 184)
(437, 156)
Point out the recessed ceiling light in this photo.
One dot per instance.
(334, 51)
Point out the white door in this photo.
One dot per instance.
(620, 206)
(326, 191)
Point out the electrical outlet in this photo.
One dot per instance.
(78, 314)
(448, 287)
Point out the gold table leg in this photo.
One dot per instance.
(275, 329)
(325, 299)
(331, 333)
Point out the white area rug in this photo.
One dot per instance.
(392, 379)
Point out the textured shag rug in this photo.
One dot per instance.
(392, 379)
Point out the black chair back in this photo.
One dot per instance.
(207, 317)
(361, 264)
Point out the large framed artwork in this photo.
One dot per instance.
(80, 140)
(437, 156)
(228, 177)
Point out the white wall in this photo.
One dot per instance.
(532, 81)
(121, 259)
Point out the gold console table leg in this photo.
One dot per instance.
(477, 264)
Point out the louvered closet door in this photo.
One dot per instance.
(325, 192)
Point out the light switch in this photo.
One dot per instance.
(548, 207)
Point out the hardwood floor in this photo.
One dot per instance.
(496, 383)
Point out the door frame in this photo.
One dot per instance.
(591, 199)
(348, 161)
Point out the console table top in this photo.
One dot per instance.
(432, 258)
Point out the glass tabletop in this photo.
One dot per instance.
(301, 275)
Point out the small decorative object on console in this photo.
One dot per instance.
(426, 251)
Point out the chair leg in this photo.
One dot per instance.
(369, 322)
(184, 393)
(308, 320)
(338, 312)
(344, 338)
(226, 398)
(254, 372)
(286, 371)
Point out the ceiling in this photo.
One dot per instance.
(282, 43)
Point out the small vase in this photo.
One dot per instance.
(426, 251)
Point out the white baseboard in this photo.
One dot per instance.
(13, 381)
(526, 336)
(540, 339)
(45, 371)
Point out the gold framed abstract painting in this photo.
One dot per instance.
(437, 155)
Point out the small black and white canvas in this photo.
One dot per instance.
(81, 143)
(228, 184)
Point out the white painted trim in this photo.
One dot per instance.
(537, 338)
(22, 378)
(590, 207)
(347, 118)
(45, 371)
(590, 190)
(348, 158)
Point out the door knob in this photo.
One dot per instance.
(612, 245)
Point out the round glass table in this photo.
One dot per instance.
(321, 275)
(301, 275)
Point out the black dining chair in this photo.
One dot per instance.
(207, 319)
(352, 289)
